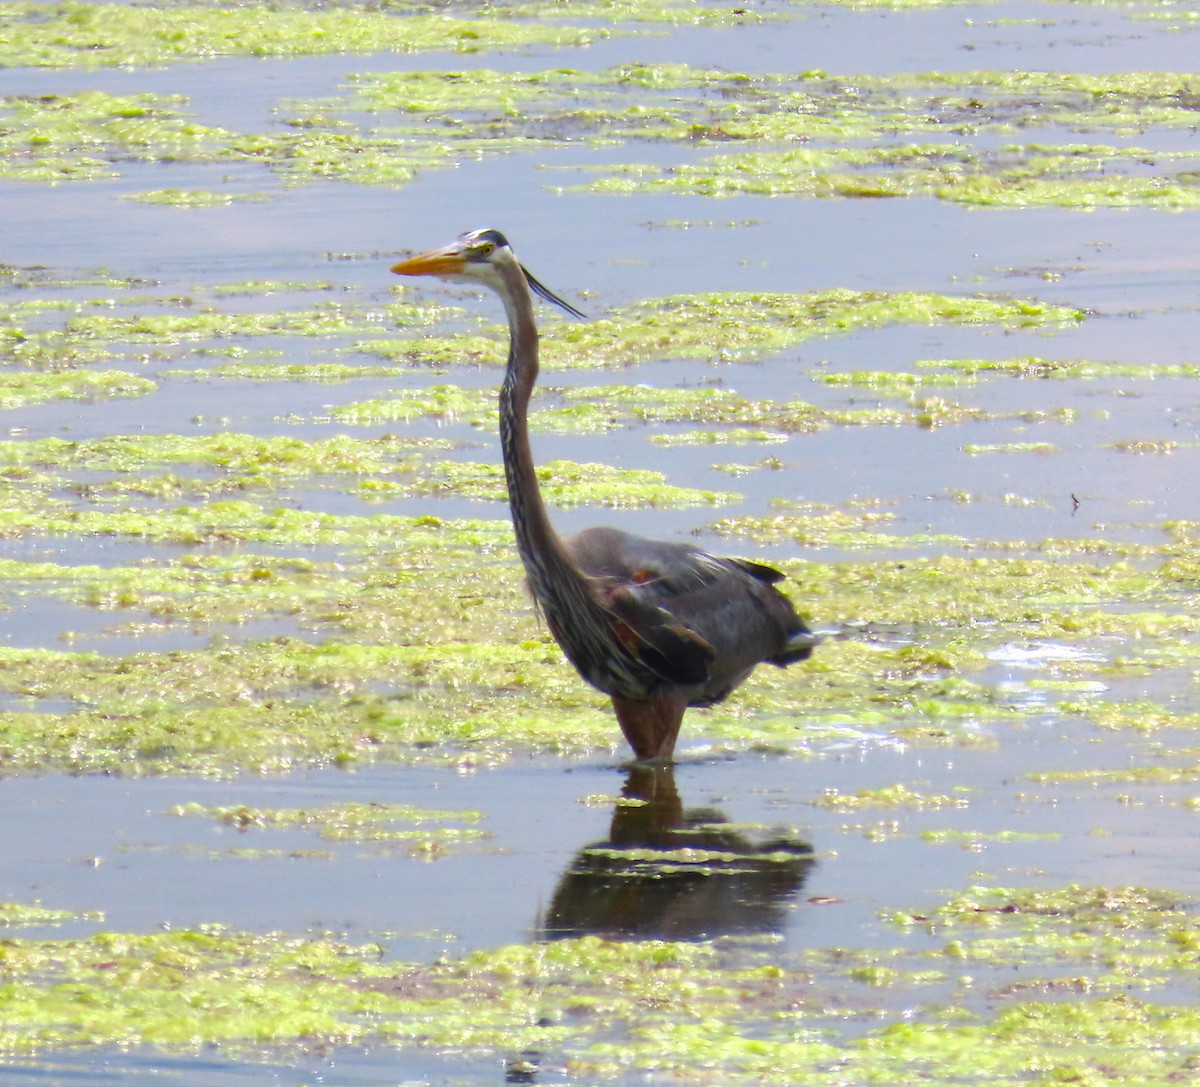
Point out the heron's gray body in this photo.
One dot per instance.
(733, 615)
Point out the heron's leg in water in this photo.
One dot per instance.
(652, 726)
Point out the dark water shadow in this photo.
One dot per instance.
(675, 873)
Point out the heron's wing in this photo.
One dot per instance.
(665, 646)
(660, 570)
(702, 608)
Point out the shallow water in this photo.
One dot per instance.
(111, 845)
(114, 846)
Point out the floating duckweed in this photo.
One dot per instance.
(734, 325)
(974, 838)
(110, 35)
(22, 390)
(54, 138)
(180, 198)
(1152, 448)
(1063, 369)
(18, 915)
(1120, 908)
(883, 381)
(227, 464)
(846, 125)
(973, 449)
(733, 436)
(747, 1014)
(490, 682)
(893, 796)
(419, 830)
(280, 371)
(1137, 775)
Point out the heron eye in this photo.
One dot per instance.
(485, 249)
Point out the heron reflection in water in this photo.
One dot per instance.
(657, 626)
(667, 872)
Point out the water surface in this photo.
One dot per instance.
(554, 861)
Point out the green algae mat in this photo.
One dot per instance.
(253, 528)
(615, 1009)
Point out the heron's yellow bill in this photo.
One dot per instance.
(438, 262)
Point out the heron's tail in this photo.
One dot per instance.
(798, 647)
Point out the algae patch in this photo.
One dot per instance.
(15, 915)
(423, 832)
(25, 390)
(940, 135)
(92, 35)
(408, 666)
(732, 326)
(950, 136)
(224, 466)
(895, 796)
(747, 1013)
(194, 198)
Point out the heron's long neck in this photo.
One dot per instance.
(542, 552)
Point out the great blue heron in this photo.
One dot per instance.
(657, 626)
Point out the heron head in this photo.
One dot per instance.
(483, 257)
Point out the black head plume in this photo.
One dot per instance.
(543, 291)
